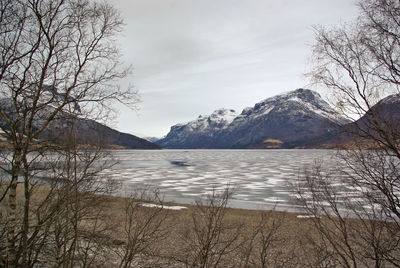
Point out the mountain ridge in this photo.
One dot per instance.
(87, 131)
(201, 130)
(283, 121)
(384, 115)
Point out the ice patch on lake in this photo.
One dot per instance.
(258, 177)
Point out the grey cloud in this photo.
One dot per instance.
(193, 56)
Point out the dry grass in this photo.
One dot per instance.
(293, 244)
(288, 250)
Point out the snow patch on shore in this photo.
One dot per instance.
(305, 216)
(163, 206)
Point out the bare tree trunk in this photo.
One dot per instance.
(11, 212)
(25, 226)
(11, 224)
(209, 238)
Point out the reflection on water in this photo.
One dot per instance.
(261, 178)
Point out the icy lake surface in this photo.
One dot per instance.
(261, 178)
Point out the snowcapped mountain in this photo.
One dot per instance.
(218, 120)
(299, 101)
(288, 120)
(199, 133)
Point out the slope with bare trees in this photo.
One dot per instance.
(359, 64)
(69, 47)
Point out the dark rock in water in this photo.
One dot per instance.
(179, 163)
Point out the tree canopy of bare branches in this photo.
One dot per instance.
(209, 238)
(359, 63)
(58, 61)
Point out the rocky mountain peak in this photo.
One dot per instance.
(291, 118)
(294, 102)
(302, 96)
(204, 123)
(223, 115)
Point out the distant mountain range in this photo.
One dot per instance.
(87, 131)
(200, 133)
(297, 119)
(384, 115)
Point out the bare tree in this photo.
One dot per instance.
(58, 58)
(78, 226)
(210, 238)
(143, 226)
(266, 246)
(359, 64)
(351, 230)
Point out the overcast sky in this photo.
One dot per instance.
(191, 57)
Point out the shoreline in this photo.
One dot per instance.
(186, 207)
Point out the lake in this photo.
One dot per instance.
(261, 178)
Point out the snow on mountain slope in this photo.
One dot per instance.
(196, 132)
(292, 120)
(209, 123)
(297, 101)
(289, 119)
